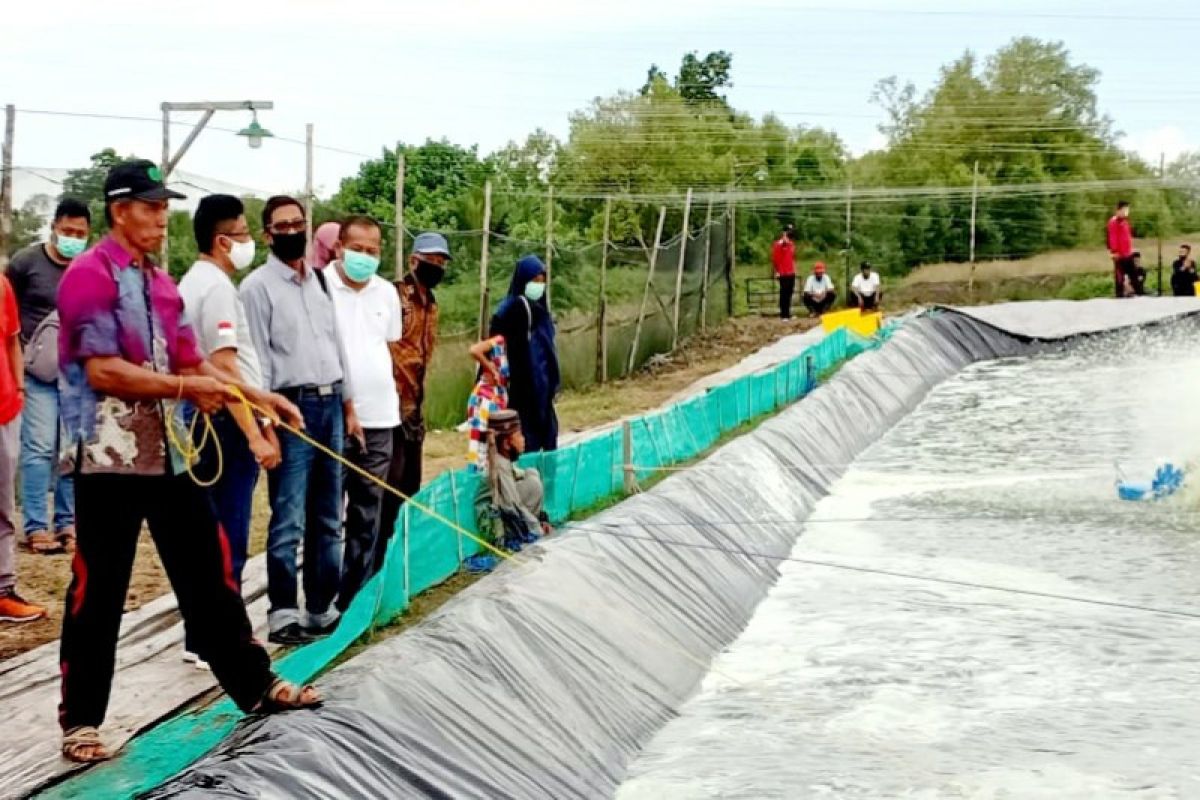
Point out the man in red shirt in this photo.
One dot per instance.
(1120, 247)
(12, 396)
(783, 257)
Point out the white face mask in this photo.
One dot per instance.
(241, 254)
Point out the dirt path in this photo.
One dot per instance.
(44, 579)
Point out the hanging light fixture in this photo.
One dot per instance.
(254, 132)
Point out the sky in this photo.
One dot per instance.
(370, 73)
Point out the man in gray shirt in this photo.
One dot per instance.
(291, 320)
(35, 273)
(215, 311)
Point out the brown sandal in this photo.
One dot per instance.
(42, 543)
(66, 540)
(286, 696)
(83, 746)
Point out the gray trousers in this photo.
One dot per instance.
(10, 450)
(363, 503)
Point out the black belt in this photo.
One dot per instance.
(312, 390)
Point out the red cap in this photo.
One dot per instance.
(819, 267)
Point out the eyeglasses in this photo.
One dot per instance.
(288, 226)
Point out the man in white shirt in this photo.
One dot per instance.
(867, 288)
(215, 311)
(819, 294)
(367, 314)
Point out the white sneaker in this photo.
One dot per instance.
(195, 660)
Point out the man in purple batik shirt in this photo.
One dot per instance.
(127, 356)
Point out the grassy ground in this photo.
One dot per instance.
(43, 579)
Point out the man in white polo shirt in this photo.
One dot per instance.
(367, 313)
(819, 292)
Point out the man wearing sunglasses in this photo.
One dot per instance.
(291, 319)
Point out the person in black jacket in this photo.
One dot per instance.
(524, 320)
(1183, 273)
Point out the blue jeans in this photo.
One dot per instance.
(39, 460)
(306, 502)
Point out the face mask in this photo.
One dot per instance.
(535, 291)
(241, 254)
(359, 267)
(289, 246)
(68, 246)
(429, 274)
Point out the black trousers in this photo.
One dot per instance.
(364, 502)
(787, 290)
(868, 302)
(819, 306)
(404, 473)
(109, 512)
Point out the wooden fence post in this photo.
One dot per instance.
(549, 243)
(707, 255)
(631, 484)
(732, 237)
(683, 240)
(483, 260)
(637, 331)
(399, 214)
(602, 320)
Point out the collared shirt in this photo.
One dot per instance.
(411, 355)
(109, 306)
(219, 318)
(368, 319)
(1120, 236)
(292, 325)
(866, 285)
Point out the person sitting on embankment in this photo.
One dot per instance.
(509, 502)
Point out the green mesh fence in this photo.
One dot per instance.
(425, 551)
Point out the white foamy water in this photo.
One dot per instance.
(850, 684)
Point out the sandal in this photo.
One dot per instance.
(42, 543)
(283, 695)
(83, 746)
(66, 540)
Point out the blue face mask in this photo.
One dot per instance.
(68, 246)
(359, 267)
(535, 291)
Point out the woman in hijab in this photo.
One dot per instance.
(524, 320)
(323, 241)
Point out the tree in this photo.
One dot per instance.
(699, 79)
(87, 184)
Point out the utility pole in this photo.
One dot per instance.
(483, 260)
(683, 240)
(550, 241)
(732, 236)
(974, 207)
(849, 217)
(1162, 178)
(6, 185)
(308, 190)
(602, 320)
(399, 213)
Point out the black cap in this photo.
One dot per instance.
(865, 265)
(137, 180)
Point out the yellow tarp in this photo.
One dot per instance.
(855, 320)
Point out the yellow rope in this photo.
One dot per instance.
(191, 451)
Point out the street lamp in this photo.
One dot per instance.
(254, 134)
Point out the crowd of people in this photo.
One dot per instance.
(133, 400)
(818, 294)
